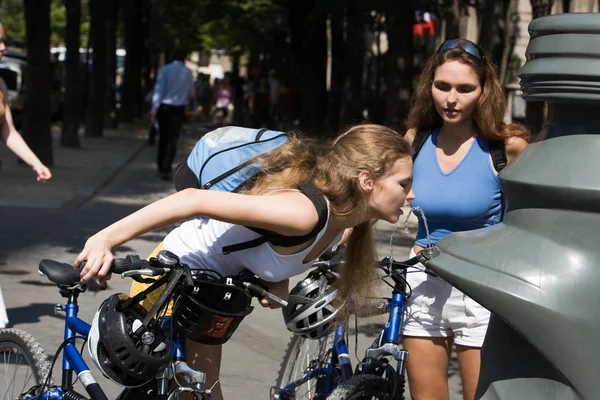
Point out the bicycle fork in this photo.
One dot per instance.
(195, 379)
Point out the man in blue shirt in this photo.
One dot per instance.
(174, 87)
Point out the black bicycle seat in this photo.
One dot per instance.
(59, 273)
(65, 274)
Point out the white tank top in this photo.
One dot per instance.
(199, 242)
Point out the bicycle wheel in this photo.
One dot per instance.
(362, 387)
(23, 365)
(300, 355)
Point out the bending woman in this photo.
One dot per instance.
(365, 174)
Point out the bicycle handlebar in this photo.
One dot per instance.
(132, 265)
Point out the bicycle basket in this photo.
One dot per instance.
(210, 311)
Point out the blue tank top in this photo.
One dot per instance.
(466, 198)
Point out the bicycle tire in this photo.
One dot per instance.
(290, 369)
(18, 342)
(363, 387)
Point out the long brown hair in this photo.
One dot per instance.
(369, 148)
(491, 106)
(334, 169)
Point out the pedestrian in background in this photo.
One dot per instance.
(223, 98)
(15, 143)
(11, 138)
(174, 88)
(260, 104)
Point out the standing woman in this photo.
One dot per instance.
(455, 119)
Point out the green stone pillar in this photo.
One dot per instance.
(539, 271)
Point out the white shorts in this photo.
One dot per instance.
(436, 309)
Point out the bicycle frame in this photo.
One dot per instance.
(388, 346)
(73, 361)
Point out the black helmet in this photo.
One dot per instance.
(124, 350)
(309, 312)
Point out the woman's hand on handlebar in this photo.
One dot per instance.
(280, 289)
(99, 259)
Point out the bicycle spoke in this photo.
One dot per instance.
(18, 380)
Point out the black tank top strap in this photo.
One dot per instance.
(318, 200)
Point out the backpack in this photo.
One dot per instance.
(497, 148)
(222, 160)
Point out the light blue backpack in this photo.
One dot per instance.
(221, 158)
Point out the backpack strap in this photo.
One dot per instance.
(320, 204)
(498, 153)
(419, 141)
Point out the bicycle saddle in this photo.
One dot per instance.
(65, 274)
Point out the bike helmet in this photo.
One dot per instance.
(125, 351)
(309, 312)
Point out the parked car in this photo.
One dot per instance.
(12, 70)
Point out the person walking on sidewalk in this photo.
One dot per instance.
(11, 138)
(456, 128)
(174, 88)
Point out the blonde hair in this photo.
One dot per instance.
(290, 165)
(491, 105)
(334, 170)
(373, 149)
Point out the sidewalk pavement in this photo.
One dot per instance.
(77, 173)
(80, 173)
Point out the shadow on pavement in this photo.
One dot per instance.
(15, 272)
(31, 313)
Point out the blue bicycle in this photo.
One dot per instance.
(321, 369)
(127, 343)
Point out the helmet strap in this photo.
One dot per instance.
(173, 278)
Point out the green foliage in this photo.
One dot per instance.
(221, 24)
(58, 23)
(13, 18)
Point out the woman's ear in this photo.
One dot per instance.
(366, 182)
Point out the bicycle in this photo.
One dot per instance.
(19, 348)
(321, 369)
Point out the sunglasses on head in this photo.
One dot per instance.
(466, 45)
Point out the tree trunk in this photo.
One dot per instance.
(352, 106)
(71, 110)
(112, 10)
(37, 109)
(540, 8)
(491, 35)
(534, 118)
(132, 97)
(376, 105)
(452, 18)
(94, 118)
(400, 67)
(309, 34)
(336, 27)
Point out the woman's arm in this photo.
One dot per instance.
(17, 145)
(288, 213)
